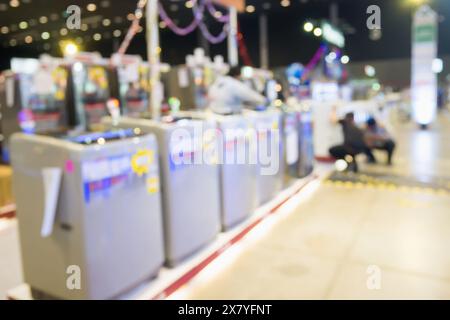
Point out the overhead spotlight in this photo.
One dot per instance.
(28, 39)
(318, 32)
(43, 19)
(285, 3)
(97, 36)
(117, 33)
(23, 25)
(14, 3)
(70, 49)
(345, 59)
(189, 4)
(250, 9)
(308, 27)
(91, 7)
(45, 35)
(370, 71)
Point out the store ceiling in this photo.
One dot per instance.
(20, 19)
(37, 26)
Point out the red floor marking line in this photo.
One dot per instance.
(8, 212)
(188, 276)
(326, 159)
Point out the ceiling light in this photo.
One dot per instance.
(23, 25)
(308, 27)
(63, 32)
(28, 39)
(117, 33)
(4, 30)
(318, 32)
(45, 35)
(14, 3)
(97, 37)
(189, 4)
(345, 59)
(370, 71)
(43, 19)
(162, 25)
(91, 7)
(70, 49)
(13, 42)
(130, 17)
(285, 3)
(106, 22)
(250, 9)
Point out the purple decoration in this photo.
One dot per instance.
(211, 38)
(198, 16)
(212, 10)
(198, 10)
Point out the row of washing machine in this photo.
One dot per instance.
(101, 212)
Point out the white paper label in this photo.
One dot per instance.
(183, 78)
(9, 86)
(292, 147)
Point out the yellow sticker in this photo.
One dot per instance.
(275, 125)
(153, 185)
(141, 161)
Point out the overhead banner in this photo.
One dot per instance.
(238, 4)
(423, 78)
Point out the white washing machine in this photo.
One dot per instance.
(190, 188)
(270, 155)
(237, 165)
(89, 212)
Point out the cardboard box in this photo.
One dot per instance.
(6, 196)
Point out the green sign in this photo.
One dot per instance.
(425, 33)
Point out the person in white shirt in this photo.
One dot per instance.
(228, 94)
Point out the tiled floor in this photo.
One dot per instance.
(355, 243)
(341, 243)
